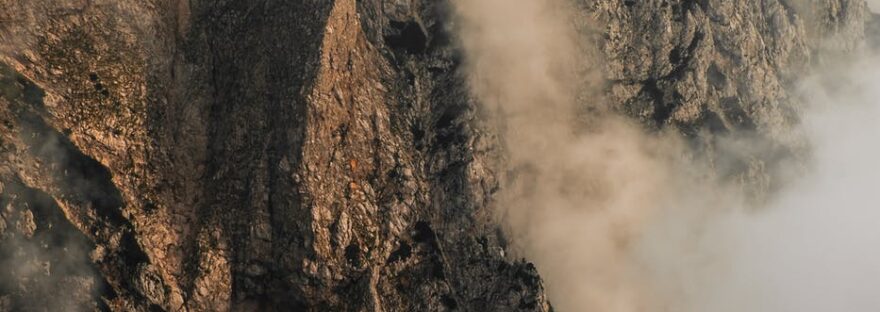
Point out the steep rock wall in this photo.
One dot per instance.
(327, 155)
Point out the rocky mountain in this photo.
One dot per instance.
(327, 155)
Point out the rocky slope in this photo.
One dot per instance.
(326, 155)
(720, 71)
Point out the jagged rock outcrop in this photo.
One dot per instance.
(324, 155)
(720, 71)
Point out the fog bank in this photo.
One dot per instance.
(817, 245)
(618, 219)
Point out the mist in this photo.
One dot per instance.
(620, 219)
(583, 181)
(814, 247)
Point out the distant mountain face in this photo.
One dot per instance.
(328, 155)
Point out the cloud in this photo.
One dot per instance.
(584, 184)
(815, 247)
(619, 219)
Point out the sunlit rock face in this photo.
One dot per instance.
(188, 155)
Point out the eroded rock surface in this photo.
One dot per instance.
(326, 155)
(723, 71)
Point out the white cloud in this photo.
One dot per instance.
(874, 5)
(815, 248)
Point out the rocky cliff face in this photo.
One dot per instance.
(326, 155)
(722, 70)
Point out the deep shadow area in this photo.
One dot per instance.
(407, 36)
